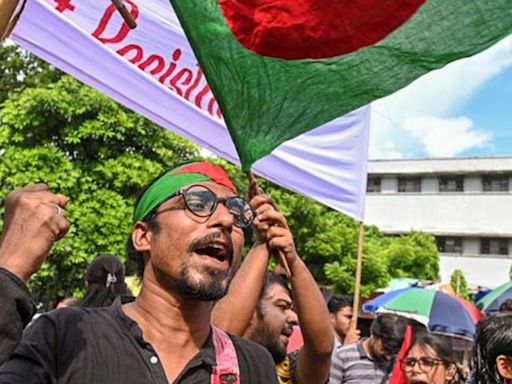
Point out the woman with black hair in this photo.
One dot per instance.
(104, 282)
(431, 360)
(492, 354)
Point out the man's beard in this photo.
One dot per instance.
(277, 351)
(212, 286)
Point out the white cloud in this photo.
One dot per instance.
(440, 94)
(446, 137)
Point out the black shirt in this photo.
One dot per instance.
(103, 346)
(16, 310)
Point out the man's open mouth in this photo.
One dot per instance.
(216, 250)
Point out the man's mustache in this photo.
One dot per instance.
(211, 238)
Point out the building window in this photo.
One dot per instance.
(409, 184)
(451, 184)
(495, 183)
(494, 246)
(373, 184)
(449, 244)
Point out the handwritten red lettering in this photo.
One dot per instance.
(200, 96)
(64, 5)
(139, 53)
(107, 16)
(153, 59)
(175, 76)
(195, 84)
(175, 57)
(183, 77)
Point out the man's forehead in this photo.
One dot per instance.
(170, 183)
(276, 292)
(345, 310)
(218, 189)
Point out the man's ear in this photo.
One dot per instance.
(504, 367)
(141, 236)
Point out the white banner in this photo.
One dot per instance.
(153, 71)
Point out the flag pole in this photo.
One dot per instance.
(359, 267)
(127, 17)
(7, 8)
(282, 258)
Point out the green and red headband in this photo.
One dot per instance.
(173, 180)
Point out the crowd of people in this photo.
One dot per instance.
(204, 315)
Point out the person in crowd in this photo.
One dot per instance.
(32, 223)
(491, 362)
(188, 234)
(506, 306)
(340, 310)
(261, 306)
(104, 282)
(371, 360)
(67, 302)
(431, 360)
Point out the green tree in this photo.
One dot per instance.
(459, 283)
(20, 69)
(414, 255)
(84, 145)
(88, 147)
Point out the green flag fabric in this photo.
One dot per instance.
(279, 68)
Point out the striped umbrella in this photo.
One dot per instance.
(492, 301)
(374, 304)
(438, 311)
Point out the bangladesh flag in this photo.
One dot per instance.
(279, 68)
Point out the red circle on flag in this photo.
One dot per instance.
(301, 29)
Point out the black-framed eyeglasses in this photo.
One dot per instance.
(202, 202)
(426, 364)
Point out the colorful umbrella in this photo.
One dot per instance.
(472, 309)
(436, 310)
(377, 302)
(492, 301)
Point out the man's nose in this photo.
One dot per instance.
(292, 319)
(221, 217)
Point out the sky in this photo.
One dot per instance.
(461, 110)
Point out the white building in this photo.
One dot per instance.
(465, 203)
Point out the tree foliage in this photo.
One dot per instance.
(99, 154)
(459, 283)
(94, 151)
(19, 70)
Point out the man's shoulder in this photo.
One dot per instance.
(255, 362)
(249, 347)
(68, 320)
(349, 349)
(74, 313)
(347, 353)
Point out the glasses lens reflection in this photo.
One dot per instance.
(202, 202)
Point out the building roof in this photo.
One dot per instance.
(461, 166)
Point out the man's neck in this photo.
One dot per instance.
(161, 312)
(176, 327)
(366, 347)
(340, 338)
